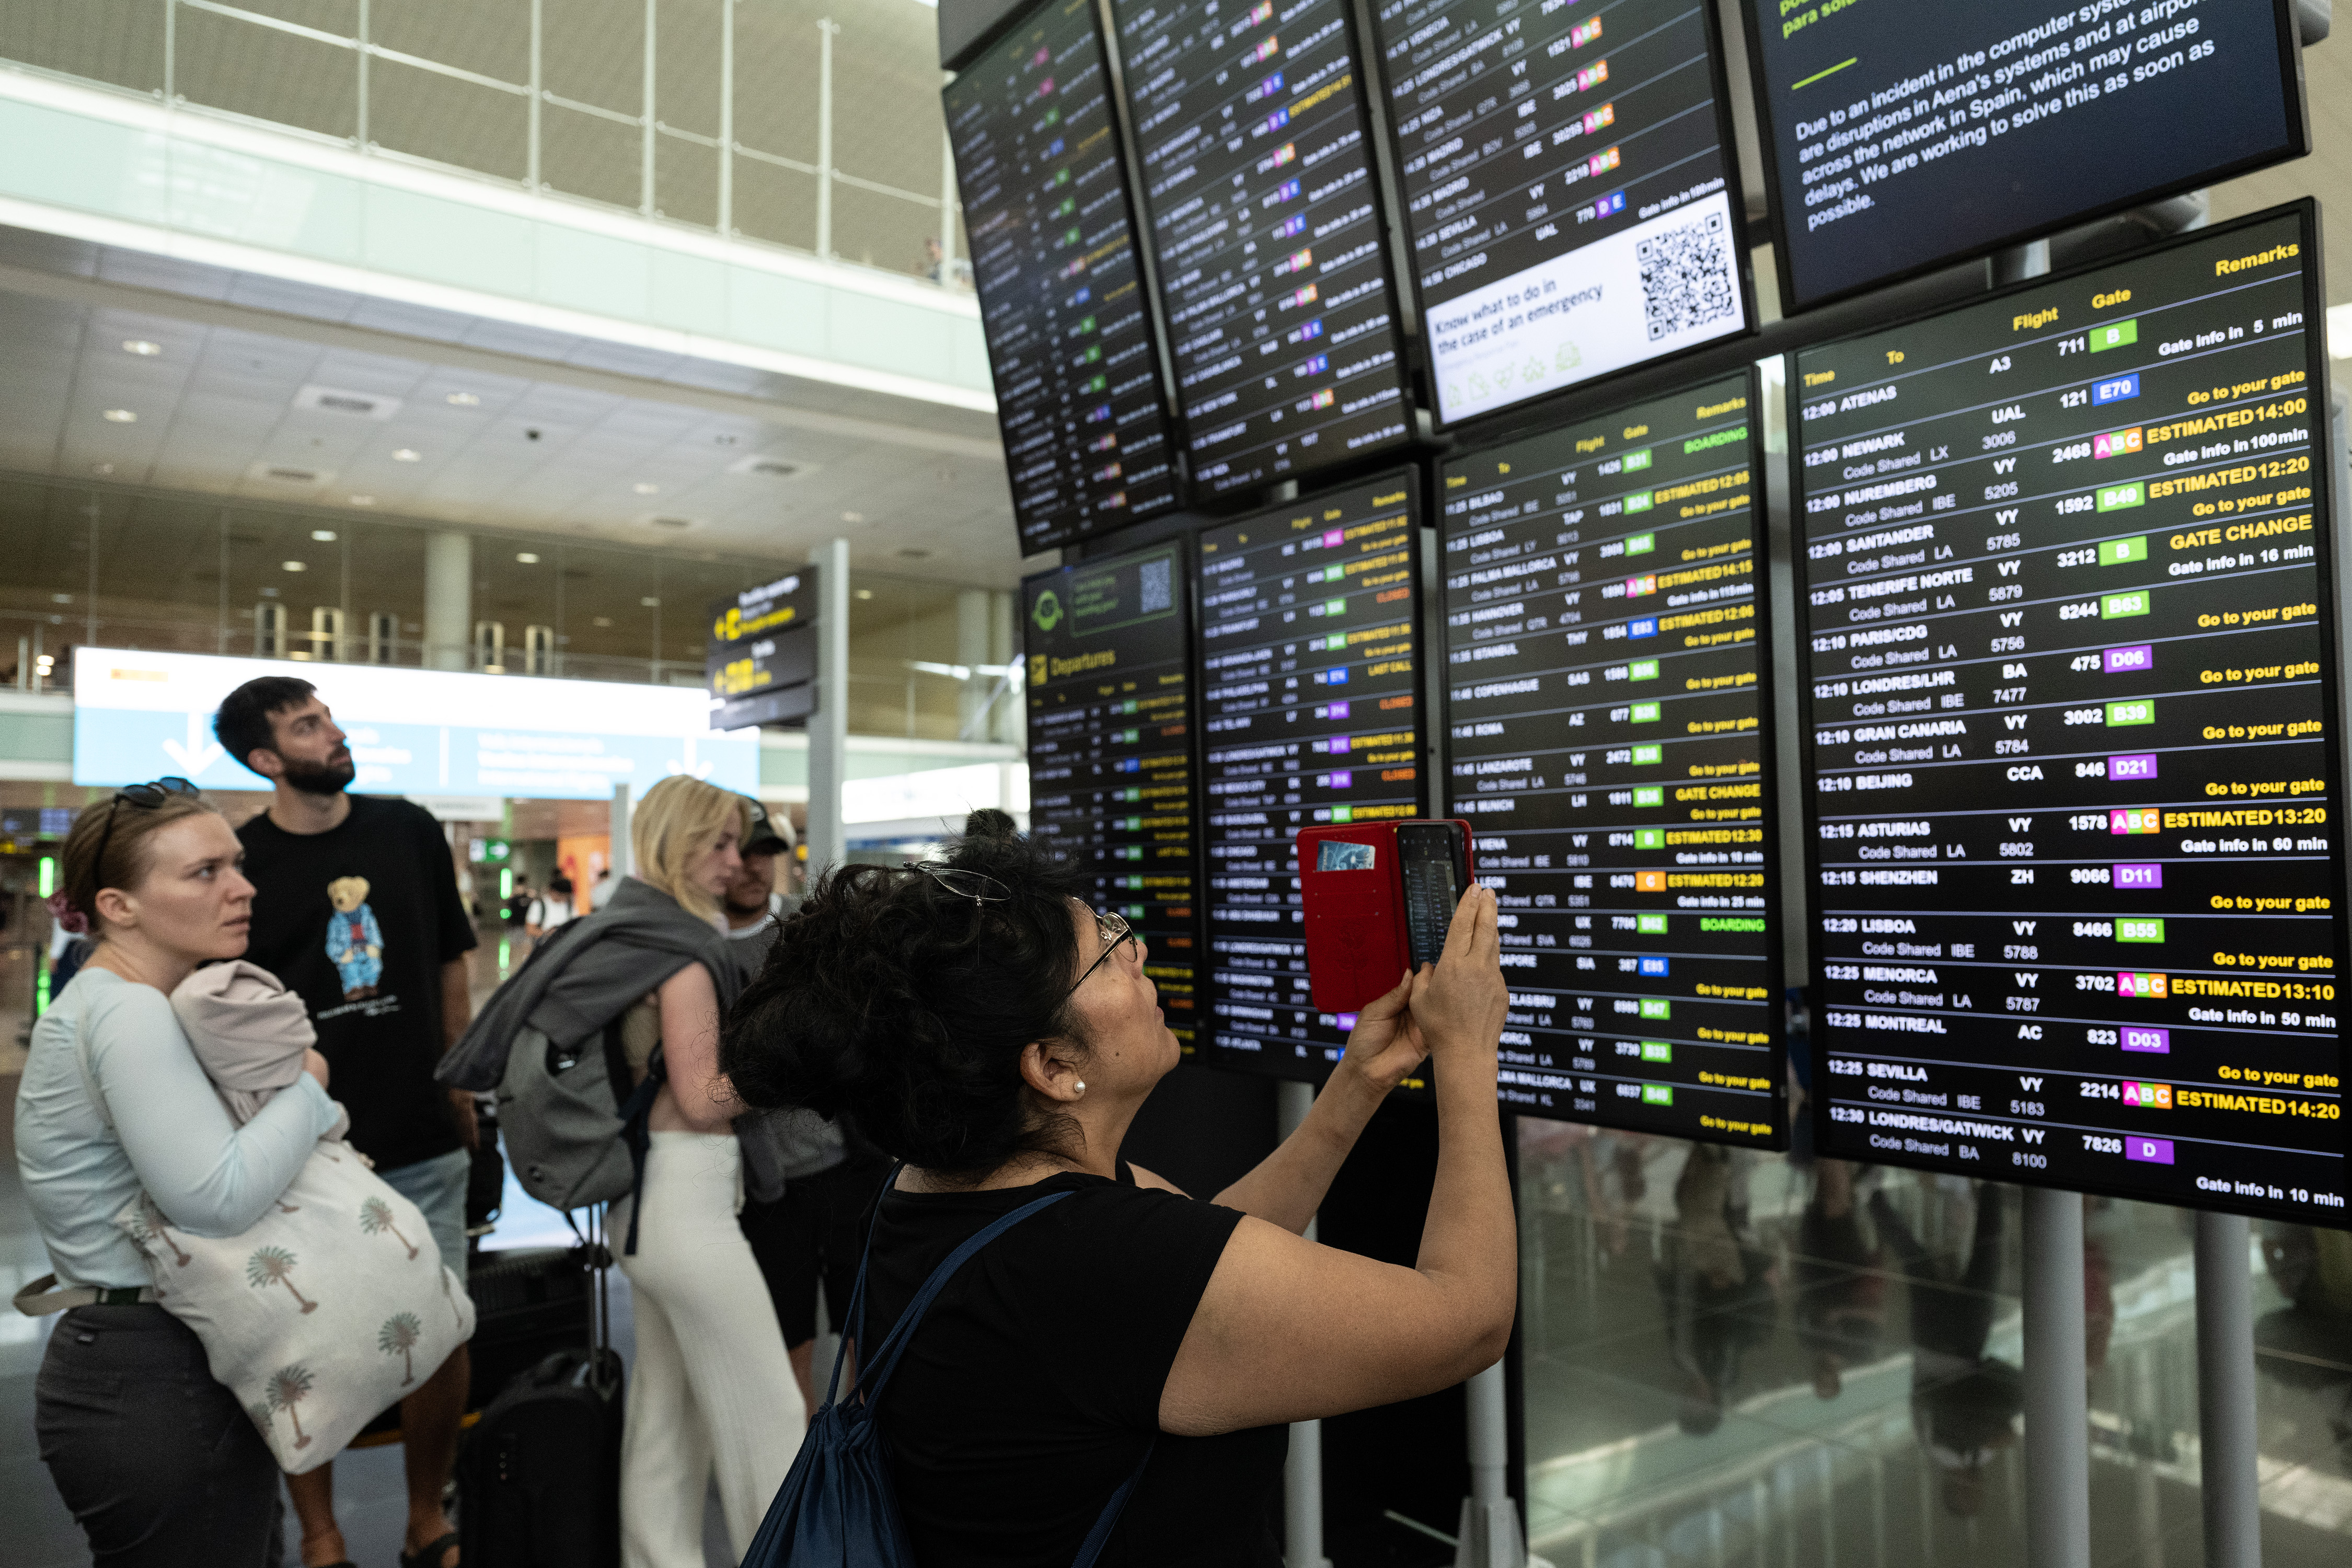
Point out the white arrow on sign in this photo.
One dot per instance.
(689, 767)
(200, 751)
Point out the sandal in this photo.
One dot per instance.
(430, 1554)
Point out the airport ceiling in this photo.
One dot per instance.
(252, 388)
(258, 389)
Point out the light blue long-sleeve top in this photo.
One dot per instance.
(172, 1135)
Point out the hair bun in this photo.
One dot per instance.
(990, 823)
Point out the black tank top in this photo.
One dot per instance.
(1033, 1385)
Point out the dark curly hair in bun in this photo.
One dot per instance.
(892, 1001)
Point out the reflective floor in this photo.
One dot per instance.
(1757, 1359)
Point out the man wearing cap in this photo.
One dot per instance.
(751, 903)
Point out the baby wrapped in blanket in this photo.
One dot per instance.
(249, 1032)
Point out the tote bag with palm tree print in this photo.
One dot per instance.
(334, 1305)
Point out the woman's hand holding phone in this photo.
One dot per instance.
(1458, 1003)
(1386, 1046)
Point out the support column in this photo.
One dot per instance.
(449, 600)
(1488, 1535)
(621, 856)
(2057, 1415)
(1009, 720)
(1302, 1471)
(828, 727)
(972, 653)
(2225, 1393)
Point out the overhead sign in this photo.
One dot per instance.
(761, 664)
(412, 732)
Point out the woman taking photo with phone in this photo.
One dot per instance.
(977, 1020)
(156, 1461)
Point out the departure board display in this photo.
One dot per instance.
(2073, 780)
(1568, 187)
(1608, 730)
(1900, 137)
(1110, 750)
(1078, 391)
(1259, 184)
(1310, 711)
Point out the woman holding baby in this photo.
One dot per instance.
(156, 1459)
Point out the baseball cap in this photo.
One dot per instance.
(764, 838)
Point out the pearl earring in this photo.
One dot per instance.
(1082, 1086)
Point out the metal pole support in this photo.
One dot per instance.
(828, 727)
(1302, 1471)
(2057, 1413)
(2225, 1393)
(1489, 1536)
(620, 854)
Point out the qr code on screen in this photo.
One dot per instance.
(1158, 585)
(1687, 277)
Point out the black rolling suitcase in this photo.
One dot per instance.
(538, 1478)
(529, 1303)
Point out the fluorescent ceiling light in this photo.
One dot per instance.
(141, 347)
(650, 603)
(363, 501)
(295, 565)
(408, 454)
(122, 417)
(528, 559)
(323, 535)
(853, 517)
(644, 488)
(465, 399)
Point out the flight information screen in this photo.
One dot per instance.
(1900, 137)
(1310, 711)
(1110, 749)
(1607, 720)
(1569, 188)
(2073, 785)
(1079, 392)
(1258, 180)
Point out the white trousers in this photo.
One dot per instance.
(711, 1386)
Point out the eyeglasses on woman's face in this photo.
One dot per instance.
(1114, 933)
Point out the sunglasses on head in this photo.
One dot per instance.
(982, 888)
(146, 797)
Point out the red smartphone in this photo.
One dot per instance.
(1378, 898)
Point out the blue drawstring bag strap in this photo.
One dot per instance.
(836, 1508)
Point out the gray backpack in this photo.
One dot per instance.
(574, 1130)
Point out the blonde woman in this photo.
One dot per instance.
(712, 1384)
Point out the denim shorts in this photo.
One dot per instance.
(437, 1187)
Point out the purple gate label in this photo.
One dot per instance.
(1333, 710)
(2144, 876)
(2153, 1151)
(2140, 656)
(1337, 745)
(2143, 1039)
(1337, 781)
(1344, 1021)
(2134, 765)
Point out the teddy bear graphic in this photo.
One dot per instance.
(354, 941)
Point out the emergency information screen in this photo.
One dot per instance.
(1568, 188)
(1899, 136)
(2074, 798)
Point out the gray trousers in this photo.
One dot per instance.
(153, 1458)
